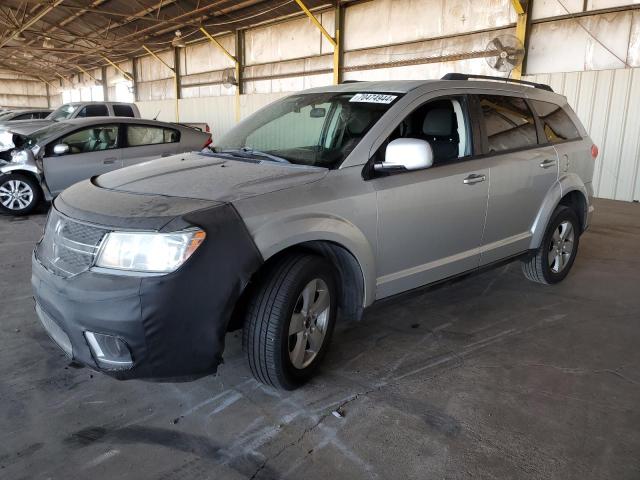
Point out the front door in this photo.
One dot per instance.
(91, 151)
(430, 221)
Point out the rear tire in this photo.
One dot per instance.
(290, 320)
(551, 262)
(19, 194)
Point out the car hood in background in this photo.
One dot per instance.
(25, 127)
(207, 177)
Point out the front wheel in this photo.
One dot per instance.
(19, 194)
(551, 262)
(290, 320)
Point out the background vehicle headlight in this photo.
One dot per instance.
(19, 156)
(148, 251)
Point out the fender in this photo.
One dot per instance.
(560, 188)
(274, 237)
(29, 169)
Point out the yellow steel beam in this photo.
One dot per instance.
(175, 79)
(219, 45)
(237, 68)
(87, 73)
(522, 9)
(317, 23)
(333, 40)
(124, 74)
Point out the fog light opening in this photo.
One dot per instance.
(109, 352)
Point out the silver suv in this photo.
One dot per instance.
(309, 210)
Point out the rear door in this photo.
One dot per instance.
(144, 142)
(523, 171)
(92, 151)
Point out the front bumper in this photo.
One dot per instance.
(174, 325)
(167, 336)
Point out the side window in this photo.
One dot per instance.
(509, 123)
(123, 111)
(94, 111)
(44, 114)
(138, 135)
(556, 124)
(444, 123)
(24, 116)
(94, 139)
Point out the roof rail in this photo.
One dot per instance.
(464, 76)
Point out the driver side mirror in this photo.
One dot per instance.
(61, 149)
(407, 154)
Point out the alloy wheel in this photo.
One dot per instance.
(16, 194)
(561, 246)
(309, 323)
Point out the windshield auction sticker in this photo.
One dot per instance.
(373, 98)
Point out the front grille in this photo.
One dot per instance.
(68, 247)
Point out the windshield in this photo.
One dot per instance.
(38, 136)
(62, 113)
(318, 129)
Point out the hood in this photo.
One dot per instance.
(208, 177)
(25, 127)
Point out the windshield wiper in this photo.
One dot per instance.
(245, 152)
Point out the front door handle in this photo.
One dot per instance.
(474, 178)
(547, 164)
(166, 154)
(109, 161)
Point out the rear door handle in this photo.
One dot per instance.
(474, 178)
(166, 154)
(109, 161)
(547, 164)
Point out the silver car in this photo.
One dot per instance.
(312, 209)
(55, 157)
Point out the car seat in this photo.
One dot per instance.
(105, 141)
(440, 129)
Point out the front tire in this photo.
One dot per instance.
(551, 262)
(290, 320)
(19, 194)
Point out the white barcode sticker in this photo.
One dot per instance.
(373, 98)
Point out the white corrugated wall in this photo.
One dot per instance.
(607, 103)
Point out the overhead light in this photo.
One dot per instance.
(178, 41)
(19, 36)
(47, 43)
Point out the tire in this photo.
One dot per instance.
(551, 262)
(19, 194)
(282, 344)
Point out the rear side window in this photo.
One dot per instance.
(24, 116)
(556, 124)
(509, 123)
(138, 135)
(123, 111)
(94, 111)
(43, 115)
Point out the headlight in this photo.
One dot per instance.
(148, 251)
(19, 156)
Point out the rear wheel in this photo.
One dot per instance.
(19, 194)
(290, 320)
(554, 258)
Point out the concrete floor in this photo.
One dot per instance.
(488, 377)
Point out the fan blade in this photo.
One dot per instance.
(498, 43)
(499, 63)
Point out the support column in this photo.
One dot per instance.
(105, 86)
(333, 41)
(522, 8)
(239, 73)
(134, 80)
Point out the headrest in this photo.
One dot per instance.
(438, 122)
(95, 134)
(104, 136)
